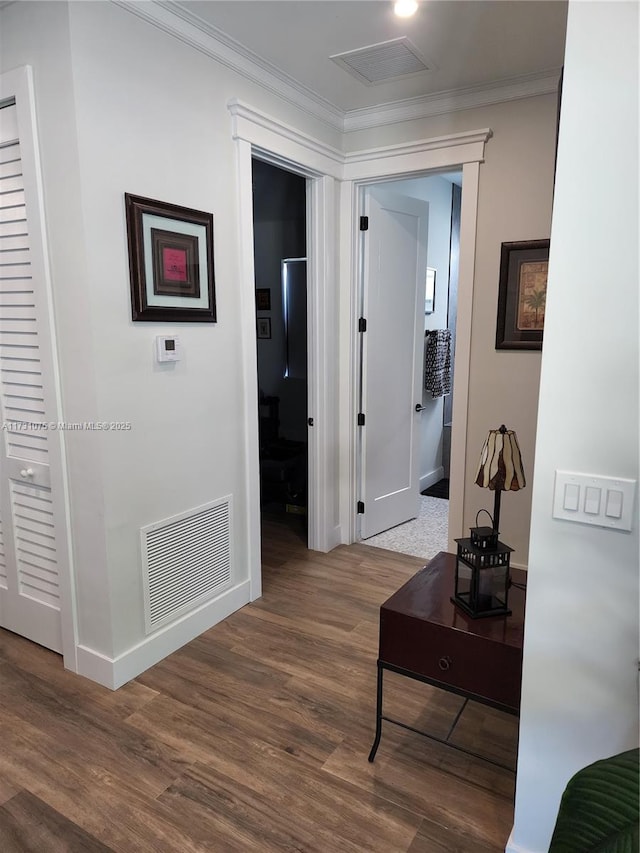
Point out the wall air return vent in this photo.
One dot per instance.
(379, 63)
(186, 560)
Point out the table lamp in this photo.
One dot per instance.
(500, 467)
(482, 578)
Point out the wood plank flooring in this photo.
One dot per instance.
(255, 736)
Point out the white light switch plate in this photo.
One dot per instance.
(591, 499)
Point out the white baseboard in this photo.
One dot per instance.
(334, 537)
(516, 848)
(114, 672)
(431, 478)
(95, 666)
(523, 566)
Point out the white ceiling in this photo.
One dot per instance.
(469, 43)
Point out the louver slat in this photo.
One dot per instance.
(35, 543)
(186, 561)
(3, 565)
(21, 391)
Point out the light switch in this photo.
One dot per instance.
(571, 497)
(592, 497)
(614, 503)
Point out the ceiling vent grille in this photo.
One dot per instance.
(186, 560)
(379, 63)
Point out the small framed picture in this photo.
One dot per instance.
(263, 299)
(264, 327)
(430, 291)
(522, 295)
(170, 262)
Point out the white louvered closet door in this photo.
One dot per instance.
(29, 571)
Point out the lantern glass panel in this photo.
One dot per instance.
(464, 577)
(491, 588)
(482, 579)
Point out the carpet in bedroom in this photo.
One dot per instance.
(424, 536)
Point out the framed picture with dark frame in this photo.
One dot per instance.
(263, 325)
(263, 299)
(522, 295)
(170, 262)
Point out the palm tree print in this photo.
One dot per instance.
(536, 300)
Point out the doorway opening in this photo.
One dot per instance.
(279, 233)
(426, 468)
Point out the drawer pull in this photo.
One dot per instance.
(444, 662)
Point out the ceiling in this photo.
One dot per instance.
(465, 43)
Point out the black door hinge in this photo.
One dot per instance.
(360, 507)
(364, 223)
(362, 325)
(360, 419)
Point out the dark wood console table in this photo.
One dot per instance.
(425, 637)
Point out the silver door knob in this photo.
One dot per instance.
(26, 472)
(420, 408)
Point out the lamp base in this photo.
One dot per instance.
(498, 610)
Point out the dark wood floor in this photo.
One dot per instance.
(254, 737)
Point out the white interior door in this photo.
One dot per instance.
(29, 571)
(395, 261)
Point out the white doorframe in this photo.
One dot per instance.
(333, 228)
(257, 135)
(392, 163)
(18, 85)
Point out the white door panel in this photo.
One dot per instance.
(29, 571)
(395, 260)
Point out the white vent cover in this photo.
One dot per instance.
(186, 560)
(379, 63)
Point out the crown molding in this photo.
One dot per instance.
(421, 146)
(259, 129)
(174, 20)
(527, 86)
(270, 134)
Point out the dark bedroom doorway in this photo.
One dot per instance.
(279, 228)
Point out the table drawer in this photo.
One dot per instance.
(487, 669)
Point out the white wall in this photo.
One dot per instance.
(580, 683)
(436, 191)
(515, 197)
(124, 107)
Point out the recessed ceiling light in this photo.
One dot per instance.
(405, 8)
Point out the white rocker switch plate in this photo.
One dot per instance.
(592, 499)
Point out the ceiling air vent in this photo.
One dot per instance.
(382, 62)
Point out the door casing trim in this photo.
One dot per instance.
(334, 179)
(388, 168)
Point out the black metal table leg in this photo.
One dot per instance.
(376, 742)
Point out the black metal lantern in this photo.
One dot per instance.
(482, 562)
(484, 538)
(482, 577)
